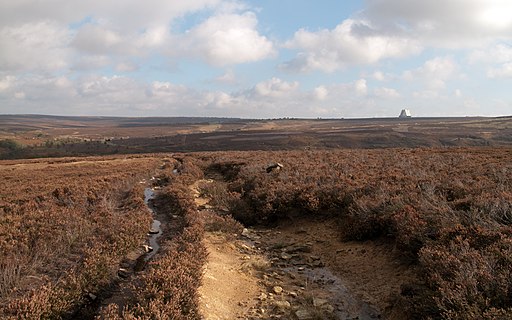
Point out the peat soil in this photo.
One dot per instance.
(299, 269)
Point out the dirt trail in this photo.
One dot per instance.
(299, 270)
(228, 288)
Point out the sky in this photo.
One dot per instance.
(256, 58)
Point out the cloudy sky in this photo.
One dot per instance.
(256, 58)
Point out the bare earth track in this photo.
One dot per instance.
(299, 270)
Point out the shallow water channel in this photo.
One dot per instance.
(154, 233)
(119, 290)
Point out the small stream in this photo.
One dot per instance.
(154, 233)
(119, 290)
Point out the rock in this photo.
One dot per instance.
(299, 248)
(278, 289)
(246, 233)
(318, 302)
(293, 294)
(285, 256)
(92, 296)
(328, 308)
(123, 273)
(153, 231)
(282, 304)
(249, 234)
(303, 314)
(276, 167)
(318, 264)
(245, 247)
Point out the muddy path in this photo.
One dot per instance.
(299, 269)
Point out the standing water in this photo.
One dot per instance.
(154, 233)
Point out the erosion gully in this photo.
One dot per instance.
(119, 291)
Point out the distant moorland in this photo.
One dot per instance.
(31, 136)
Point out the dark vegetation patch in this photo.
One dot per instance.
(64, 228)
(447, 211)
(168, 290)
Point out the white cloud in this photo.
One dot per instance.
(227, 78)
(504, 71)
(426, 94)
(56, 35)
(6, 82)
(275, 88)
(387, 93)
(434, 72)
(351, 42)
(321, 92)
(360, 87)
(228, 39)
(131, 15)
(97, 40)
(40, 46)
(379, 76)
(497, 59)
(387, 29)
(90, 62)
(450, 24)
(126, 67)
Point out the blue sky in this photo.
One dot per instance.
(256, 59)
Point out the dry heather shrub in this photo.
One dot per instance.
(409, 228)
(189, 169)
(168, 290)
(66, 240)
(217, 223)
(411, 196)
(176, 197)
(10, 275)
(470, 273)
(218, 193)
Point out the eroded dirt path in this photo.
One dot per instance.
(229, 287)
(299, 270)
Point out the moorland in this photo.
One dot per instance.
(32, 136)
(368, 218)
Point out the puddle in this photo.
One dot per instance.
(156, 232)
(347, 306)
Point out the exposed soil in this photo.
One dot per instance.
(300, 270)
(229, 287)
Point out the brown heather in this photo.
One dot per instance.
(64, 226)
(448, 211)
(168, 290)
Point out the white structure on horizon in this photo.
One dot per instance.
(406, 113)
